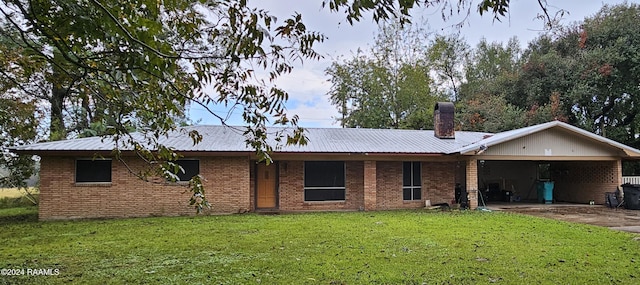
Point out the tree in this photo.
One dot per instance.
(358, 88)
(447, 55)
(490, 68)
(18, 126)
(143, 61)
(491, 114)
(542, 71)
(19, 117)
(587, 73)
(491, 73)
(389, 88)
(605, 94)
(124, 52)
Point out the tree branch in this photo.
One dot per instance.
(129, 35)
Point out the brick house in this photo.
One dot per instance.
(339, 169)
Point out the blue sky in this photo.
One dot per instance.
(307, 85)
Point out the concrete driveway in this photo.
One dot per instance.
(599, 215)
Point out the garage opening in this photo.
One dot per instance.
(573, 181)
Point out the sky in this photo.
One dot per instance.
(308, 85)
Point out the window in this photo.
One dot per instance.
(93, 170)
(191, 168)
(411, 181)
(324, 181)
(544, 171)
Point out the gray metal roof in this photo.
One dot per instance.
(518, 133)
(320, 140)
(326, 140)
(381, 141)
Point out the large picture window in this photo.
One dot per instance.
(93, 170)
(324, 181)
(411, 181)
(191, 168)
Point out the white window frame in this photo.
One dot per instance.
(412, 187)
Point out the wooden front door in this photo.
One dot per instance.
(266, 193)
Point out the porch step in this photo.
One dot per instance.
(268, 212)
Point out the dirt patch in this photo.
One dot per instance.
(587, 214)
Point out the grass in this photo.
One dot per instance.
(397, 247)
(12, 198)
(10, 193)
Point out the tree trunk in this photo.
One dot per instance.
(57, 129)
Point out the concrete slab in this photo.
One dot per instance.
(631, 229)
(599, 215)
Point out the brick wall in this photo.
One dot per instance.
(290, 187)
(227, 187)
(389, 182)
(370, 187)
(580, 182)
(438, 183)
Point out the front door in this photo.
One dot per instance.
(266, 193)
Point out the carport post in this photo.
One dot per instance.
(472, 183)
(619, 173)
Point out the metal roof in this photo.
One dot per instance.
(518, 133)
(320, 140)
(326, 140)
(381, 141)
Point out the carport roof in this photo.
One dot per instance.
(503, 137)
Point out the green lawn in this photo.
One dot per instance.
(14, 198)
(397, 247)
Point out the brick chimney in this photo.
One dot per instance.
(443, 118)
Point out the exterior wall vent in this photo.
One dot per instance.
(443, 120)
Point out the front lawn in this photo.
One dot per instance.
(397, 247)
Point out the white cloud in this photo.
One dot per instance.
(305, 84)
(317, 114)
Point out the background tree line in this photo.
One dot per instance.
(586, 74)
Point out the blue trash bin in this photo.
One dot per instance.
(545, 192)
(539, 187)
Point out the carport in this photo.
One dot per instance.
(507, 166)
(574, 181)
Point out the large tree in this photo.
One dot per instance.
(19, 116)
(388, 87)
(490, 67)
(606, 94)
(526, 87)
(587, 74)
(447, 56)
(491, 71)
(144, 61)
(18, 122)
